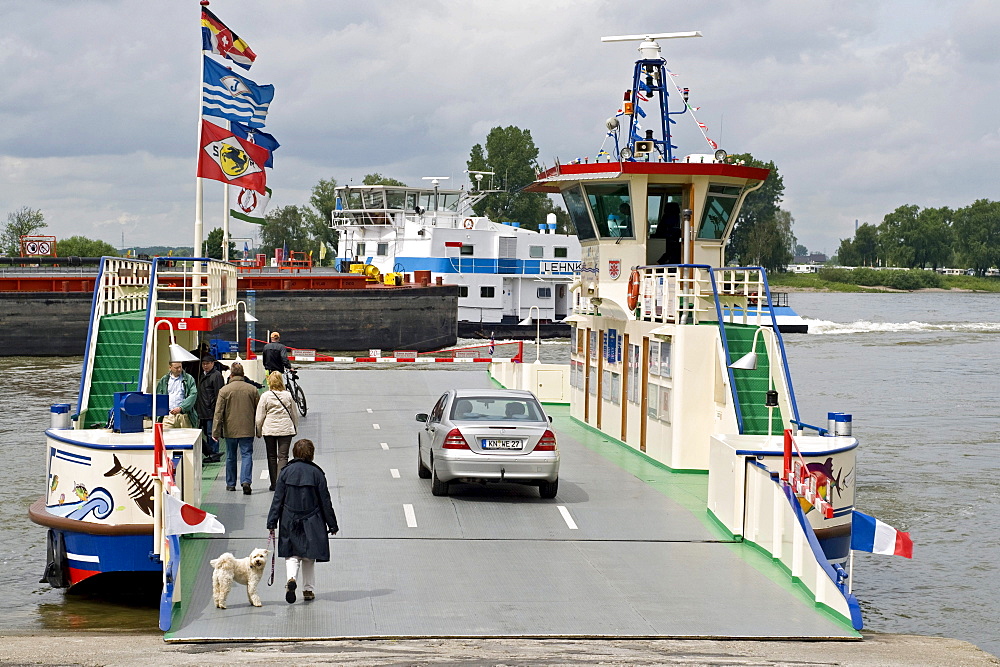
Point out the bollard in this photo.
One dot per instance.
(60, 416)
(843, 424)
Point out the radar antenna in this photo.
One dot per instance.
(649, 78)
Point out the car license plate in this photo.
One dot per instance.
(494, 443)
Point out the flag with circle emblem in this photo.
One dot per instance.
(227, 158)
(181, 518)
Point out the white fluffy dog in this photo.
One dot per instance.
(247, 571)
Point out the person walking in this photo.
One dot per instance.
(235, 412)
(182, 394)
(277, 421)
(209, 385)
(275, 355)
(304, 510)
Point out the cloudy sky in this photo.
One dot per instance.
(863, 106)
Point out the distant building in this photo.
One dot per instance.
(811, 258)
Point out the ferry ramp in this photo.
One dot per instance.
(626, 549)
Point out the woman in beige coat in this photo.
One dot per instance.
(277, 421)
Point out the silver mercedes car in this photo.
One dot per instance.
(488, 435)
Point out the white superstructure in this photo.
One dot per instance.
(505, 271)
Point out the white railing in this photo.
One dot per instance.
(194, 287)
(122, 287)
(692, 294)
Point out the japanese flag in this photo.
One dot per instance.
(180, 518)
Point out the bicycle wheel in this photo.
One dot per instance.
(300, 400)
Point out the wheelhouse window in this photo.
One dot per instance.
(558, 252)
(536, 251)
(468, 250)
(612, 209)
(576, 204)
(395, 199)
(374, 198)
(487, 291)
(719, 205)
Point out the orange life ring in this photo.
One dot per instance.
(468, 224)
(633, 289)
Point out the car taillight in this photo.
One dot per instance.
(547, 443)
(454, 440)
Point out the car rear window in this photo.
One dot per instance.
(486, 408)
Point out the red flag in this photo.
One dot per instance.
(227, 158)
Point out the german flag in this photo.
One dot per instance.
(220, 40)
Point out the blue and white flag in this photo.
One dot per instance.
(229, 95)
(262, 139)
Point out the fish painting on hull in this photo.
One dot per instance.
(140, 485)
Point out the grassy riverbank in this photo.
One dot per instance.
(848, 281)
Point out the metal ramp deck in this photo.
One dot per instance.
(645, 559)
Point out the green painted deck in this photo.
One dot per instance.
(645, 559)
(116, 363)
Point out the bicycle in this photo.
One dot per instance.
(292, 385)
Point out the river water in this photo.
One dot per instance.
(917, 372)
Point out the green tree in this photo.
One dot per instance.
(866, 245)
(847, 254)
(759, 207)
(862, 250)
(318, 216)
(213, 245)
(977, 235)
(896, 236)
(511, 154)
(379, 179)
(800, 250)
(285, 226)
(22, 222)
(935, 237)
(770, 241)
(81, 246)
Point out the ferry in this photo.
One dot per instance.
(107, 465)
(678, 356)
(510, 276)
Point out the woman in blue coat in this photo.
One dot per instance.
(302, 506)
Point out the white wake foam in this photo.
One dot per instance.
(864, 326)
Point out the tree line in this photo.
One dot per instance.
(918, 238)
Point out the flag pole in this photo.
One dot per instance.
(199, 190)
(225, 222)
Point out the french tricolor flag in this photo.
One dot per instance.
(870, 534)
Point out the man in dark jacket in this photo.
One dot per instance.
(209, 384)
(275, 355)
(235, 420)
(304, 509)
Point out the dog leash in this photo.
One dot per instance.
(271, 546)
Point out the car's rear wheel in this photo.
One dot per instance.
(423, 472)
(438, 488)
(548, 489)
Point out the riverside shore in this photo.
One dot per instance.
(150, 649)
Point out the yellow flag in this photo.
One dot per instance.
(322, 250)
